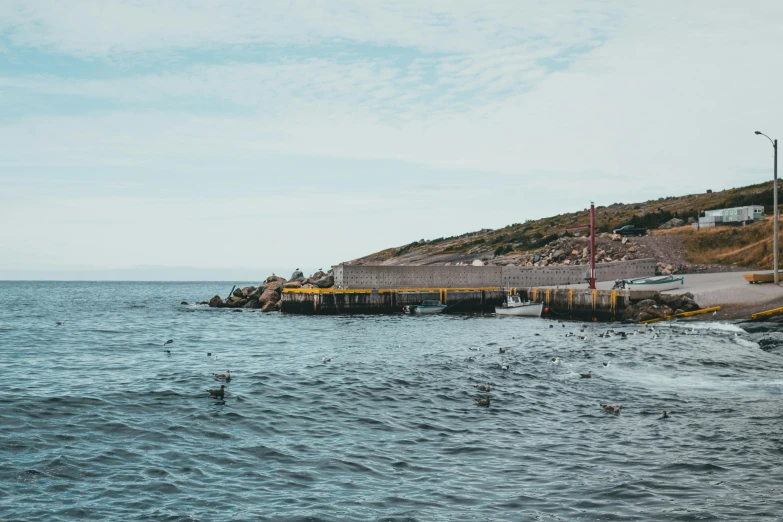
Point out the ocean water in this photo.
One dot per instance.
(98, 422)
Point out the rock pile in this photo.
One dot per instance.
(267, 296)
(660, 307)
(673, 222)
(575, 251)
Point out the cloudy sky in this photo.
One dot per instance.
(218, 139)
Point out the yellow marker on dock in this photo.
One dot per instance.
(683, 314)
(766, 313)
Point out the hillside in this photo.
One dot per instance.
(547, 241)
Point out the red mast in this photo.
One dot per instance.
(592, 246)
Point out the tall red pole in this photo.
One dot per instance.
(592, 246)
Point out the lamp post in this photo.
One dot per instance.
(775, 204)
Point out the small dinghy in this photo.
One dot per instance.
(426, 307)
(515, 306)
(767, 277)
(657, 283)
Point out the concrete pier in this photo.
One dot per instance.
(591, 305)
(316, 301)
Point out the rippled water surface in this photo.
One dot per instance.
(100, 423)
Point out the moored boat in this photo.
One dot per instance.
(656, 283)
(426, 307)
(515, 306)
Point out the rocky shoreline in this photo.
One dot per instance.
(267, 296)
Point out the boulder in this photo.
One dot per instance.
(296, 275)
(318, 275)
(557, 254)
(237, 292)
(477, 262)
(270, 295)
(308, 285)
(624, 240)
(615, 237)
(691, 220)
(575, 252)
(275, 279)
(216, 302)
(632, 250)
(238, 302)
(184, 303)
(248, 291)
(673, 222)
(252, 304)
(325, 282)
(585, 252)
(292, 284)
(270, 307)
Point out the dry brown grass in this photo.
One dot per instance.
(749, 246)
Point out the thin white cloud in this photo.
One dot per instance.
(87, 28)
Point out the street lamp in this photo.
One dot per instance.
(775, 204)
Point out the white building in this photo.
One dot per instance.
(732, 216)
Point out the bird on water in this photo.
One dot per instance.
(218, 392)
(483, 387)
(226, 376)
(483, 402)
(502, 350)
(611, 408)
(665, 415)
(168, 342)
(587, 375)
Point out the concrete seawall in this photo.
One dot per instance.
(592, 305)
(381, 276)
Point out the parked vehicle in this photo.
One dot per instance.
(630, 230)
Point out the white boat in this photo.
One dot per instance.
(515, 306)
(656, 283)
(426, 307)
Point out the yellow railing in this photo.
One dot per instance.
(766, 313)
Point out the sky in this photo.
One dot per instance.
(229, 139)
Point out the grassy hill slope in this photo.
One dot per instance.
(518, 243)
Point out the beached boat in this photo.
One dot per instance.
(515, 306)
(657, 283)
(767, 277)
(426, 307)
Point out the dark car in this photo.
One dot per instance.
(630, 230)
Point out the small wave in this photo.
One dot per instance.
(715, 326)
(689, 466)
(744, 342)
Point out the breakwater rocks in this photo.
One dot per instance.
(267, 295)
(660, 306)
